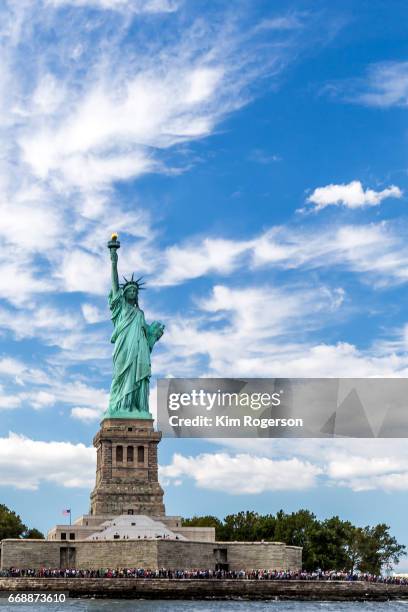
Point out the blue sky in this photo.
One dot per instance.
(254, 161)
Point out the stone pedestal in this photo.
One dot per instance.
(126, 469)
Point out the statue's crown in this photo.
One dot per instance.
(135, 283)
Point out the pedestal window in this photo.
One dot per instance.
(119, 454)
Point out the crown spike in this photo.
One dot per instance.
(137, 283)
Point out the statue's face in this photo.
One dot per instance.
(131, 293)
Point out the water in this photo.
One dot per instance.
(116, 605)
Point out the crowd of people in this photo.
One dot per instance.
(260, 574)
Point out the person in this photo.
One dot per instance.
(134, 340)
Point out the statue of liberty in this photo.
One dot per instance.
(134, 341)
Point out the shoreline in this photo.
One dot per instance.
(218, 589)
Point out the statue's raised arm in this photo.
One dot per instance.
(113, 246)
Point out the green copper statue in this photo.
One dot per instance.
(134, 341)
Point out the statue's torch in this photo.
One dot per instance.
(114, 243)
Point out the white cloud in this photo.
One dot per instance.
(99, 109)
(65, 330)
(133, 106)
(92, 415)
(35, 224)
(81, 346)
(86, 272)
(231, 351)
(252, 331)
(11, 367)
(27, 280)
(8, 402)
(48, 95)
(193, 260)
(385, 84)
(264, 331)
(90, 172)
(45, 388)
(202, 83)
(133, 6)
(376, 251)
(351, 195)
(376, 464)
(257, 467)
(21, 372)
(241, 474)
(41, 399)
(61, 463)
(44, 322)
(287, 22)
(87, 415)
(261, 156)
(356, 464)
(80, 393)
(112, 131)
(66, 393)
(245, 307)
(92, 314)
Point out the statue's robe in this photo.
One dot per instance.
(133, 342)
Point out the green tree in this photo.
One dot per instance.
(206, 521)
(298, 529)
(265, 528)
(33, 534)
(11, 525)
(249, 526)
(241, 526)
(331, 544)
(329, 541)
(378, 549)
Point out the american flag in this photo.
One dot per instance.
(66, 511)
